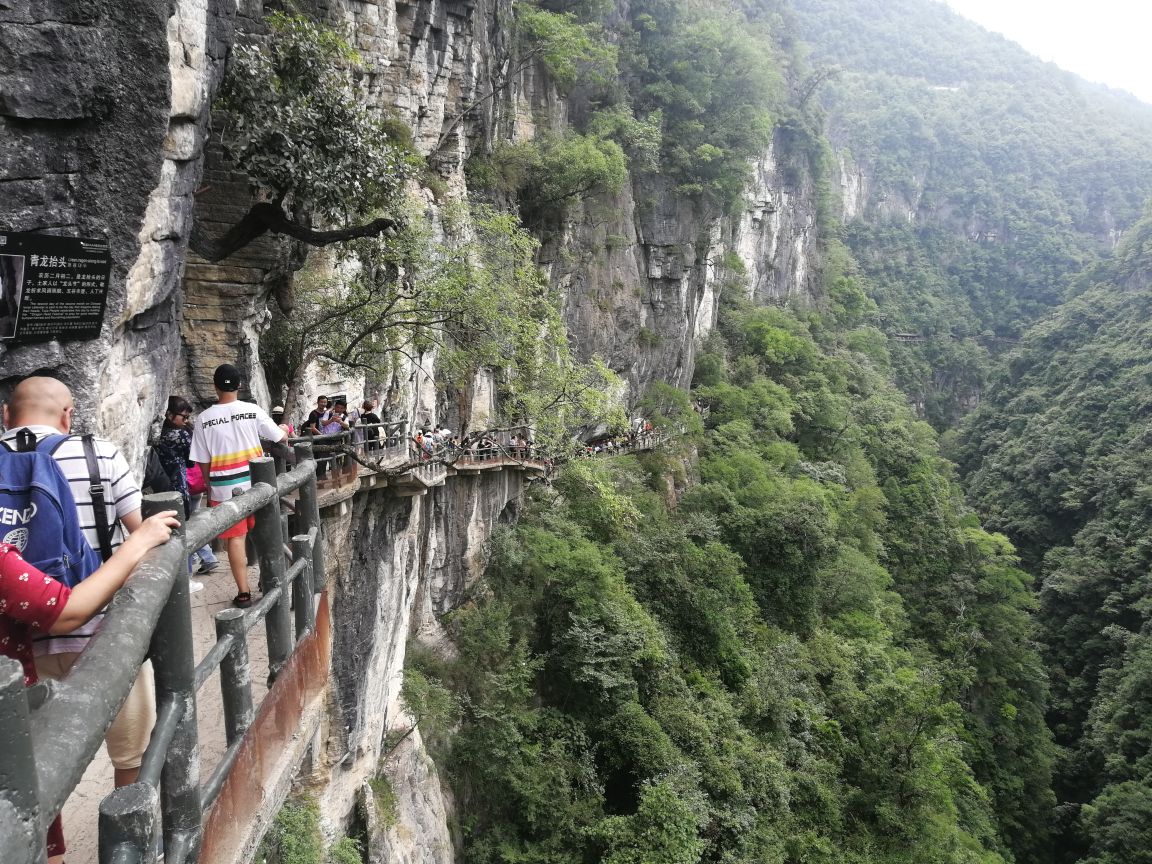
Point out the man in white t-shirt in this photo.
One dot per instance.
(224, 438)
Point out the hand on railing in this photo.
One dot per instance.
(95, 592)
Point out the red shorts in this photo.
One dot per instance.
(55, 838)
(240, 529)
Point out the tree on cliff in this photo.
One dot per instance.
(299, 126)
(471, 299)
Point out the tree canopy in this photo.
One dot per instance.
(788, 664)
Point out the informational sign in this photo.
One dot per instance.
(52, 288)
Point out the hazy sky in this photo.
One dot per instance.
(1101, 40)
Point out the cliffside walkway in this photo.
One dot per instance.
(51, 732)
(254, 735)
(346, 465)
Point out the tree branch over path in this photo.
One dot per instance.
(266, 217)
(299, 127)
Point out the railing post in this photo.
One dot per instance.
(302, 595)
(128, 819)
(17, 763)
(174, 660)
(278, 458)
(310, 518)
(269, 539)
(235, 675)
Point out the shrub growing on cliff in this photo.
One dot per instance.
(295, 838)
(555, 170)
(568, 48)
(299, 126)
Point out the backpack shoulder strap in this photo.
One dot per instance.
(51, 443)
(96, 490)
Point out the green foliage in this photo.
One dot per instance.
(559, 169)
(1057, 457)
(384, 797)
(433, 709)
(299, 127)
(1119, 821)
(671, 408)
(640, 138)
(570, 50)
(663, 830)
(710, 76)
(790, 664)
(295, 838)
(346, 851)
(599, 504)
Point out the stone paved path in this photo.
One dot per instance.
(81, 811)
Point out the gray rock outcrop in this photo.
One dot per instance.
(102, 114)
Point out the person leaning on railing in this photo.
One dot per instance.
(44, 407)
(33, 603)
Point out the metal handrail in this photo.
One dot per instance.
(394, 429)
(51, 743)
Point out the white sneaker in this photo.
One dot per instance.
(194, 586)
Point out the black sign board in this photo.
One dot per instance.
(52, 287)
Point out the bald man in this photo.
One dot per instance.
(44, 407)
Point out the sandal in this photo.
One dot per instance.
(242, 600)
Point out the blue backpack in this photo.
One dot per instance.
(38, 512)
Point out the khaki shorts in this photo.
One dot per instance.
(127, 738)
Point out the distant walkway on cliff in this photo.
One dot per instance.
(354, 459)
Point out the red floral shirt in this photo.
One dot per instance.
(30, 603)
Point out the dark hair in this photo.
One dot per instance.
(178, 405)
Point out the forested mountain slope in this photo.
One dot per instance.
(1058, 458)
(813, 655)
(977, 181)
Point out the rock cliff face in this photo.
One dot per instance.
(402, 563)
(102, 115)
(776, 235)
(863, 198)
(641, 271)
(116, 142)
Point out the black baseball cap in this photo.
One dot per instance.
(226, 377)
